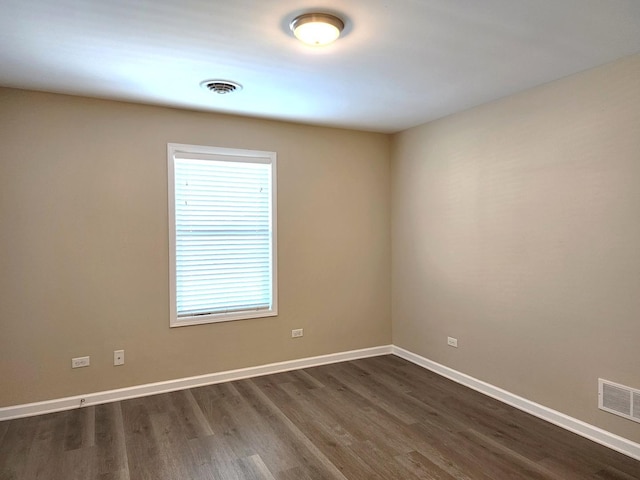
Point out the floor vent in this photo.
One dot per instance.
(619, 400)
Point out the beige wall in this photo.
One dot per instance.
(516, 229)
(83, 236)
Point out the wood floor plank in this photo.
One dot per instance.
(177, 459)
(312, 417)
(381, 460)
(358, 414)
(143, 453)
(77, 464)
(178, 421)
(425, 469)
(89, 430)
(201, 427)
(514, 457)
(254, 468)
(47, 447)
(111, 457)
(305, 448)
(379, 418)
(269, 437)
(215, 459)
(4, 428)
(15, 447)
(365, 385)
(612, 473)
(75, 427)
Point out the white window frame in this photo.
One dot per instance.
(247, 156)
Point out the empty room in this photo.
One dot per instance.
(292, 240)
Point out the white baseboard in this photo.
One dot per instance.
(68, 403)
(574, 425)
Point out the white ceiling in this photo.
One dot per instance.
(400, 63)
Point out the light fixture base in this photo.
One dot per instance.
(317, 29)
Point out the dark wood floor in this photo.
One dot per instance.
(375, 419)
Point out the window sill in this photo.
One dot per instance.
(220, 317)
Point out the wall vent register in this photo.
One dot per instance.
(619, 400)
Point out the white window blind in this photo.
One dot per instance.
(223, 234)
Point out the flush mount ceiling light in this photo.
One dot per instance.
(317, 29)
(221, 87)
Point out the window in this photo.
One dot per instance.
(222, 234)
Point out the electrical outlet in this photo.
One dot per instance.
(80, 362)
(452, 342)
(297, 333)
(118, 357)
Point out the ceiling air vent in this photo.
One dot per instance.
(221, 87)
(619, 400)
